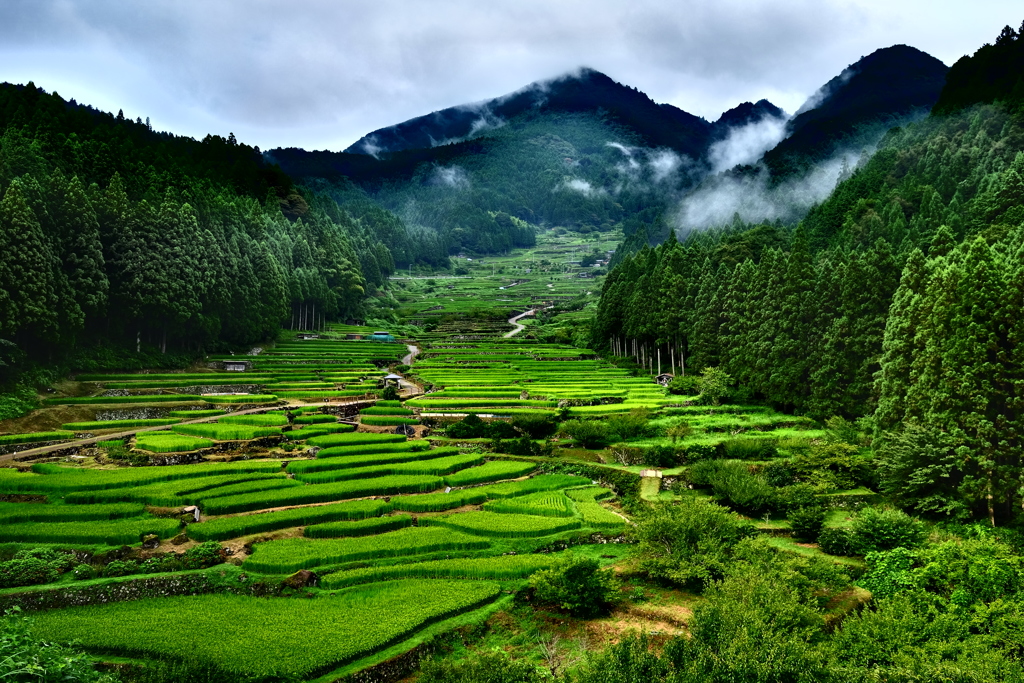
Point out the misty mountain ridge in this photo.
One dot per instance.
(586, 90)
(587, 153)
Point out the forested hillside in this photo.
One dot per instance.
(113, 233)
(897, 300)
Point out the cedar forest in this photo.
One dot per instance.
(273, 396)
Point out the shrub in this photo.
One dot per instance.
(121, 568)
(578, 585)
(83, 572)
(535, 427)
(689, 544)
(470, 427)
(26, 571)
(749, 449)
(488, 667)
(587, 433)
(876, 529)
(778, 474)
(836, 542)
(389, 394)
(203, 555)
(684, 385)
(807, 523)
(715, 387)
(795, 496)
(630, 426)
(701, 451)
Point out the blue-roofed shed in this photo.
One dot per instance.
(382, 337)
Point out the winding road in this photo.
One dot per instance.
(514, 321)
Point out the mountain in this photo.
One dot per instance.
(885, 89)
(658, 125)
(744, 114)
(995, 73)
(580, 151)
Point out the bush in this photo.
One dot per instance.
(715, 387)
(470, 427)
(836, 542)
(203, 555)
(807, 523)
(795, 496)
(488, 667)
(24, 658)
(630, 426)
(587, 433)
(390, 393)
(684, 385)
(661, 456)
(535, 427)
(778, 474)
(701, 451)
(749, 449)
(121, 568)
(26, 571)
(690, 543)
(876, 529)
(83, 572)
(578, 585)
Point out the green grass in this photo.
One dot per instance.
(315, 419)
(12, 513)
(545, 504)
(386, 421)
(196, 414)
(290, 637)
(367, 456)
(162, 442)
(494, 470)
(496, 568)
(336, 452)
(34, 437)
(357, 439)
(147, 398)
(60, 481)
(245, 398)
(118, 424)
(435, 466)
(226, 432)
(223, 528)
(184, 491)
(291, 554)
(323, 493)
(593, 514)
(503, 525)
(366, 527)
(255, 420)
(114, 532)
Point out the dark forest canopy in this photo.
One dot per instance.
(110, 231)
(896, 300)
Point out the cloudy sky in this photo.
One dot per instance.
(321, 73)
